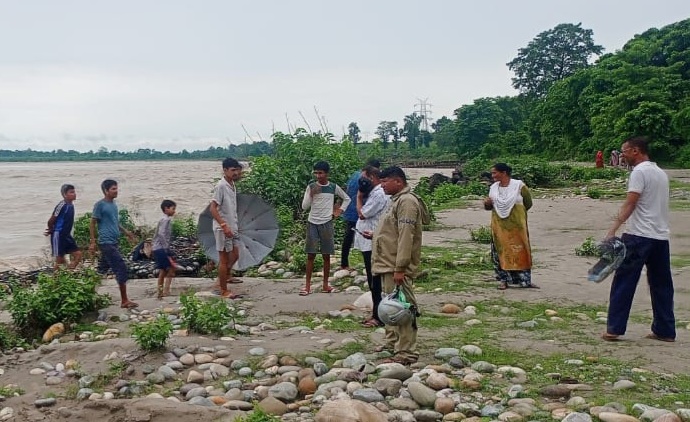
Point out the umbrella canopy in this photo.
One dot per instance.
(258, 231)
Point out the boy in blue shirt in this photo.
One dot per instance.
(106, 223)
(60, 229)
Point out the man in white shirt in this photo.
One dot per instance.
(646, 238)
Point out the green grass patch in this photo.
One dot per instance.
(453, 268)
(680, 261)
(679, 204)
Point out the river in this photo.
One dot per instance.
(30, 191)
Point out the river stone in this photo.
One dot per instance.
(684, 414)
(471, 350)
(202, 358)
(492, 410)
(515, 390)
(244, 372)
(201, 401)
(459, 362)
(195, 377)
(483, 367)
(556, 391)
(167, 372)
(86, 381)
(450, 308)
(367, 395)
(219, 370)
(422, 394)
(84, 393)
(458, 417)
(196, 392)
(510, 416)
(446, 353)
(577, 417)
(653, 414)
(257, 351)
(668, 417)
(616, 417)
(37, 371)
(395, 371)
(53, 380)
(427, 415)
(349, 410)
(388, 386)
(437, 381)
(595, 410)
(623, 385)
(320, 368)
(155, 378)
(273, 406)
(395, 415)
(45, 402)
(444, 405)
(284, 391)
(403, 403)
(238, 405)
(355, 361)
(187, 359)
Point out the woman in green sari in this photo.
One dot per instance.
(509, 199)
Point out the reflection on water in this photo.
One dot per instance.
(30, 191)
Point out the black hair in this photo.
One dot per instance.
(322, 166)
(365, 186)
(66, 188)
(167, 203)
(374, 162)
(503, 168)
(107, 184)
(372, 171)
(393, 171)
(639, 142)
(231, 163)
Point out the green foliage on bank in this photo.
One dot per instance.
(63, 296)
(82, 230)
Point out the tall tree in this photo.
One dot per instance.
(354, 133)
(387, 132)
(552, 56)
(411, 130)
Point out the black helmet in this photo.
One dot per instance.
(612, 253)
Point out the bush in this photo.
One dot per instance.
(205, 317)
(184, 227)
(588, 248)
(594, 193)
(154, 334)
(63, 296)
(9, 338)
(481, 234)
(82, 227)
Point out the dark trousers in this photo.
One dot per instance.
(374, 282)
(348, 239)
(655, 254)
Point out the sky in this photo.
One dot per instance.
(173, 75)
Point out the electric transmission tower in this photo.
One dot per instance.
(423, 108)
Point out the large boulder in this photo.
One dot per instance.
(349, 411)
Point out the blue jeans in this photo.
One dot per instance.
(653, 253)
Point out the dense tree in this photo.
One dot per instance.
(552, 56)
(411, 130)
(388, 132)
(354, 133)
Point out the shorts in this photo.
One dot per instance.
(320, 238)
(112, 259)
(62, 244)
(162, 258)
(224, 243)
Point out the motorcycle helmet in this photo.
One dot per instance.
(612, 253)
(394, 309)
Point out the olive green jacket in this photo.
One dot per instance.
(397, 242)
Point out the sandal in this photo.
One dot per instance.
(129, 305)
(382, 348)
(305, 292)
(502, 286)
(227, 294)
(330, 289)
(610, 337)
(656, 337)
(372, 323)
(529, 286)
(401, 360)
(235, 280)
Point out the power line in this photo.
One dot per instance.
(423, 108)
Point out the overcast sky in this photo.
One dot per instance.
(170, 75)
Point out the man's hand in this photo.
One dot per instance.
(368, 234)
(488, 203)
(227, 232)
(337, 212)
(92, 246)
(399, 277)
(47, 232)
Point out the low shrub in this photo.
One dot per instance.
(588, 248)
(184, 227)
(9, 338)
(481, 234)
(154, 334)
(205, 317)
(63, 296)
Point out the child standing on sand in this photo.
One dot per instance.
(161, 249)
(60, 229)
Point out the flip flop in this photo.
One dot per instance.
(653, 336)
(502, 286)
(304, 292)
(235, 280)
(610, 337)
(372, 323)
(401, 360)
(129, 305)
(229, 295)
(330, 289)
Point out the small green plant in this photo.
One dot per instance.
(205, 317)
(9, 338)
(481, 234)
(257, 415)
(63, 296)
(11, 391)
(588, 248)
(154, 334)
(184, 226)
(594, 193)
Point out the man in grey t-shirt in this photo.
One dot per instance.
(646, 238)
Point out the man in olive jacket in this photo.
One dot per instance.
(396, 253)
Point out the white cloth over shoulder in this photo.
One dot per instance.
(373, 209)
(505, 197)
